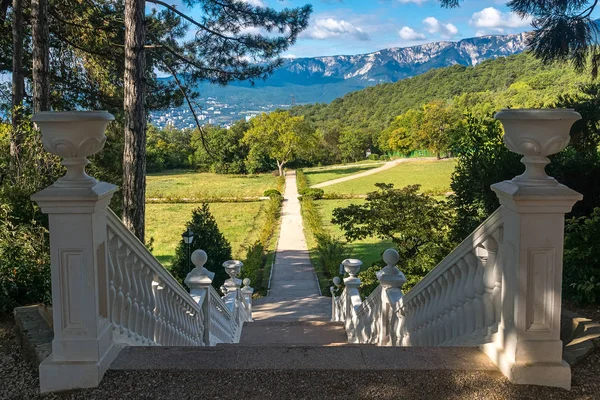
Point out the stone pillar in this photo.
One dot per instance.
(391, 280)
(199, 280)
(247, 292)
(352, 283)
(76, 205)
(528, 349)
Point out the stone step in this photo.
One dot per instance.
(317, 333)
(300, 372)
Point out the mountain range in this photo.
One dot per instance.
(393, 64)
(323, 79)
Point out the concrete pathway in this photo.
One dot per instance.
(294, 292)
(387, 165)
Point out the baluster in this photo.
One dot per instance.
(156, 318)
(469, 270)
(422, 319)
(112, 292)
(489, 283)
(416, 319)
(172, 318)
(461, 311)
(437, 312)
(138, 299)
(132, 322)
(477, 264)
(428, 312)
(148, 285)
(114, 249)
(498, 273)
(180, 320)
(455, 301)
(168, 315)
(408, 323)
(160, 312)
(126, 309)
(449, 277)
(433, 291)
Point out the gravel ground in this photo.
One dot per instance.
(18, 380)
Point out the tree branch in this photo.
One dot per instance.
(190, 106)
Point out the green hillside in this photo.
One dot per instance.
(516, 81)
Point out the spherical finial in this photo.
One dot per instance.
(391, 257)
(246, 281)
(337, 280)
(199, 258)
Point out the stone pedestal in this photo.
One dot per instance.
(82, 349)
(199, 281)
(76, 205)
(391, 280)
(527, 347)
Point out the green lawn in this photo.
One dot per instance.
(323, 174)
(239, 222)
(367, 250)
(190, 184)
(431, 175)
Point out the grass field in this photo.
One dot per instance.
(191, 184)
(239, 223)
(323, 174)
(367, 250)
(431, 175)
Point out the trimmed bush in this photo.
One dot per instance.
(374, 157)
(272, 193)
(331, 252)
(253, 265)
(301, 180)
(312, 193)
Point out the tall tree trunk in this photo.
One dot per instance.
(41, 85)
(134, 86)
(18, 85)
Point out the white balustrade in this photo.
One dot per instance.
(107, 288)
(500, 289)
(149, 307)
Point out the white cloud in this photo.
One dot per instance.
(408, 33)
(326, 28)
(256, 3)
(419, 2)
(446, 31)
(492, 19)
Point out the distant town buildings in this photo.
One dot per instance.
(210, 111)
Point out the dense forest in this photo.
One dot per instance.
(515, 81)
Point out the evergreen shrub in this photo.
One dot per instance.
(207, 237)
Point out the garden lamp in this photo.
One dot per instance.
(188, 236)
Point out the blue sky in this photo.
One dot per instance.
(362, 26)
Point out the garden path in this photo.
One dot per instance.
(294, 292)
(387, 165)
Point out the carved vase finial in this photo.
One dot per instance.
(73, 136)
(536, 134)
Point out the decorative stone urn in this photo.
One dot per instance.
(233, 269)
(73, 136)
(536, 134)
(352, 266)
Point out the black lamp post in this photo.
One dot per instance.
(188, 236)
